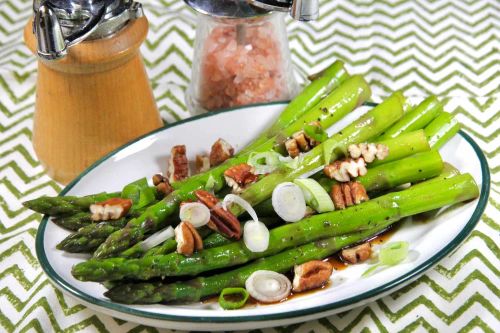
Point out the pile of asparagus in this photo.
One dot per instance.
(413, 136)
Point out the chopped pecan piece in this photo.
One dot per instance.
(221, 151)
(343, 170)
(239, 176)
(357, 254)
(202, 163)
(162, 184)
(348, 194)
(311, 275)
(111, 209)
(178, 168)
(188, 239)
(300, 142)
(369, 151)
(292, 148)
(221, 220)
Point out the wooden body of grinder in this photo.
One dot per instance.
(93, 94)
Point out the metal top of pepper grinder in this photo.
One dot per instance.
(301, 10)
(59, 24)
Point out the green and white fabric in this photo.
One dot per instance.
(450, 48)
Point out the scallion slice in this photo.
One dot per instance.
(233, 298)
(315, 195)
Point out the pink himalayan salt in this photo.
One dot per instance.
(235, 74)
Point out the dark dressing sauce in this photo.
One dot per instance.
(335, 260)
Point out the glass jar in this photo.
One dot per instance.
(239, 61)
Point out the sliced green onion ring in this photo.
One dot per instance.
(256, 236)
(233, 298)
(195, 213)
(270, 159)
(288, 202)
(315, 195)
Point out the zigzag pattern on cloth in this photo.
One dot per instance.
(444, 47)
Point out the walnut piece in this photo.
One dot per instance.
(221, 220)
(343, 170)
(221, 151)
(240, 176)
(202, 163)
(348, 194)
(188, 239)
(357, 253)
(369, 151)
(111, 209)
(178, 167)
(310, 275)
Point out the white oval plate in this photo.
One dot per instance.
(148, 155)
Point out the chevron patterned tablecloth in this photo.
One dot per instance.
(450, 48)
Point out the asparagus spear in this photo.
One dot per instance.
(73, 222)
(68, 205)
(441, 129)
(201, 287)
(368, 215)
(351, 93)
(416, 119)
(402, 146)
(89, 237)
(330, 79)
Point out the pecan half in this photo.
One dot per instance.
(239, 176)
(178, 167)
(188, 239)
(343, 170)
(221, 220)
(162, 184)
(111, 209)
(221, 151)
(310, 275)
(357, 254)
(202, 163)
(348, 194)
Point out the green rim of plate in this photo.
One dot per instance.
(64, 285)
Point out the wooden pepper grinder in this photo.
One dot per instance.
(93, 93)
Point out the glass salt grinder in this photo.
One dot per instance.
(241, 54)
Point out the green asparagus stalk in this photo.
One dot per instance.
(89, 237)
(402, 146)
(342, 100)
(330, 79)
(75, 221)
(68, 205)
(441, 129)
(368, 215)
(201, 287)
(416, 119)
